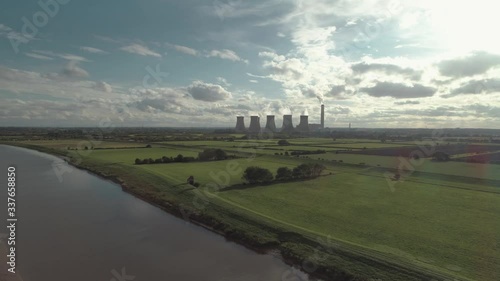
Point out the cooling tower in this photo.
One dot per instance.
(287, 126)
(254, 124)
(322, 116)
(240, 124)
(304, 124)
(270, 124)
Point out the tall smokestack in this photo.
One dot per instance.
(304, 124)
(240, 124)
(254, 124)
(287, 126)
(270, 124)
(322, 116)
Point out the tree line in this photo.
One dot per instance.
(256, 174)
(208, 154)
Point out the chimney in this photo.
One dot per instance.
(240, 124)
(254, 124)
(322, 116)
(304, 124)
(270, 124)
(287, 126)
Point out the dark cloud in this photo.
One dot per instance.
(485, 86)
(290, 69)
(208, 92)
(484, 110)
(336, 90)
(364, 67)
(476, 63)
(399, 91)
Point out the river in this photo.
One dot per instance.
(85, 228)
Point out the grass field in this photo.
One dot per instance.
(442, 219)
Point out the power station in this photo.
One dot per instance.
(287, 127)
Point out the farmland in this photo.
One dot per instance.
(439, 221)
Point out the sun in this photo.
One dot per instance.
(462, 26)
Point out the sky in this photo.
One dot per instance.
(193, 63)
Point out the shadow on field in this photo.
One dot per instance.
(252, 185)
(186, 189)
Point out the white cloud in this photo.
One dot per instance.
(225, 54)
(185, 50)
(72, 70)
(140, 50)
(208, 92)
(92, 50)
(102, 86)
(38, 56)
(223, 81)
(69, 57)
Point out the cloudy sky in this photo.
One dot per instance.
(200, 63)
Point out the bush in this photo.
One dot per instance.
(138, 161)
(210, 154)
(283, 142)
(257, 175)
(283, 173)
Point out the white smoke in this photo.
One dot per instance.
(285, 110)
(320, 98)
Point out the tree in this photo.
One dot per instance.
(317, 169)
(308, 170)
(257, 175)
(212, 154)
(138, 161)
(283, 142)
(179, 158)
(440, 156)
(283, 173)
(220, 154)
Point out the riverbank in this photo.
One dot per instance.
(337, 260)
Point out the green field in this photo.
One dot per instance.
(441, 219)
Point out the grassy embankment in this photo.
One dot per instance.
(443, 224)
